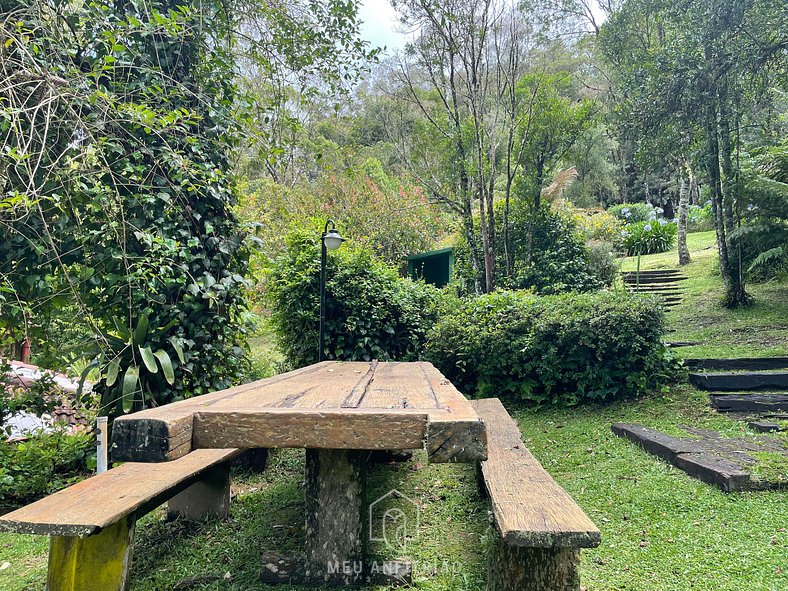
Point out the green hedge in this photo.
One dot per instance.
(371, 312)
(560, 349)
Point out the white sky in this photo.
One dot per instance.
(380, 25)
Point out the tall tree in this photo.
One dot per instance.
(700, 63)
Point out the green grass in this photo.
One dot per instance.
(660, 529)
(760, 330)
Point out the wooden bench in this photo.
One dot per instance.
(91, 524)
(541, 527)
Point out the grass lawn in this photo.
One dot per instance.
(661, 530)
(760, 330)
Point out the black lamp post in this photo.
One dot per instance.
(329, 240)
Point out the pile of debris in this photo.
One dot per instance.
(21, 424)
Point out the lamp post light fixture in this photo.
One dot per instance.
(329, 240)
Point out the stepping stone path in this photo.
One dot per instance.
(708, 456)
(743, 385)
(662, 282)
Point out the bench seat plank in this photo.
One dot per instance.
(88, 507)
(530, 508)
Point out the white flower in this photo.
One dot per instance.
(660, 210)
(647, 227)
(662, 221)
(625, 210)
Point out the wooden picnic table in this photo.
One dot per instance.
(338, 411)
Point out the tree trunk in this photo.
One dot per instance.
(684, 255)
(736, 296)
(713, 170)
(473, 251)
(487, 254)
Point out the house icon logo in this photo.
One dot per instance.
(394, 520)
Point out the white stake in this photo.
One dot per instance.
(101, 446)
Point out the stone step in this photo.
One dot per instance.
(653, 280)
(745, 380)
(654, 288)
(653, 272)
(766, 426)
(741, 363)
(750, 402)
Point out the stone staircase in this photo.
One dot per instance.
(747, 386)
(662, 282)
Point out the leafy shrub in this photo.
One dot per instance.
(633, 213)
(763, 237)
(602, 261)
(394, 219)
(561, 349)
(699, 218)
(558, 261)
(44, 463)
(649, 237)
(599, 225)
(371, 312)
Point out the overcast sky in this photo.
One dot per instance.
(380, 26)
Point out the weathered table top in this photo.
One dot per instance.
(329, 405)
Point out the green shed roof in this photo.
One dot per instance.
(432, 253)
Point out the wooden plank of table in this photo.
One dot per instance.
(326, 386)
(399, 385)
(165, 433)
(454, 432)
(311, 428)
(95, 503)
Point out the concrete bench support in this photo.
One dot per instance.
(101, 561)
(335, 483)
(533, 569)
(207, 498)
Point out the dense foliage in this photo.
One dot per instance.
(763, 240)
(562, 349)
(371, 312)
(394, 218)
(548, 253)
(649, 237)
(130, 204)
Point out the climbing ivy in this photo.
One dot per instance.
(117, 121)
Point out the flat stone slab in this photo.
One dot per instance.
(742, 363)
(745, 380)
(766, 426)
(721, 461)
(749, 402)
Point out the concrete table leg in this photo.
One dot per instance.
(335, 483)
